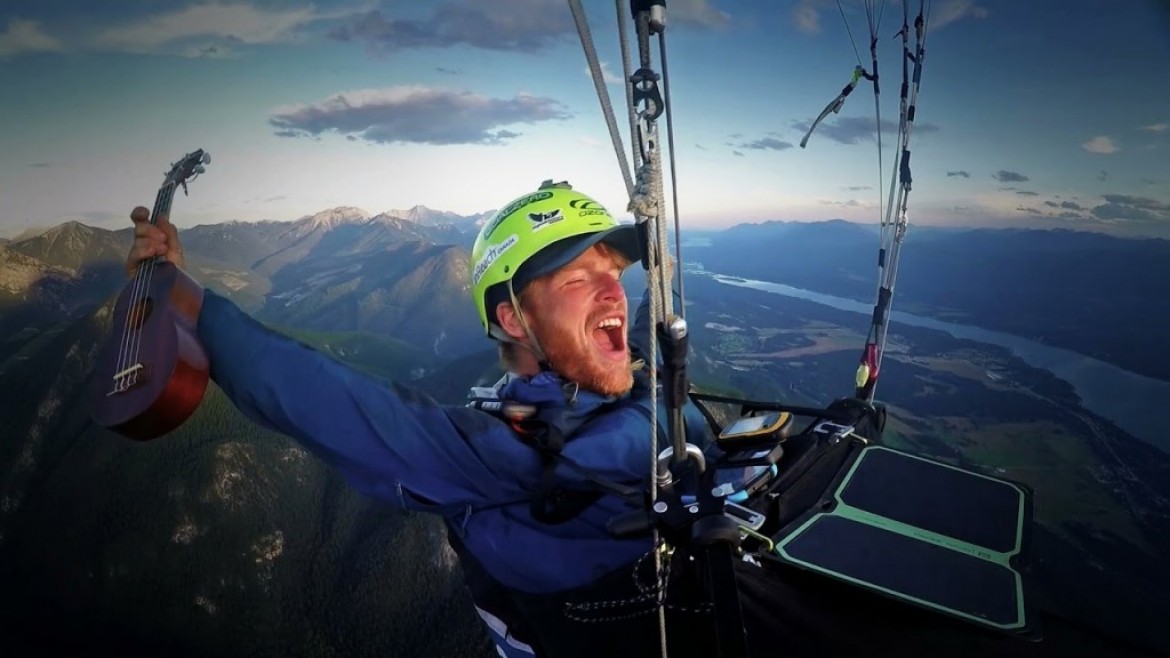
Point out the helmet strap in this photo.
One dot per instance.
(534, 347)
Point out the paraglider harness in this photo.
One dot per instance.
(755, 483)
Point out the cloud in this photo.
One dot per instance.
(697, 13)
(447, 71)
(852, 130)
(806, 18)
(591, 142)
(415, 114)
(766, 144)
(517, 25)
(1005, 176)
(1066, 205)
(737, 153)
(26, 37)
(1031, 211)
(700, 147)
(212, 25)
(606, 75)
(953, 11)
(1103, 176)
(851, 203)
(1132, 208)
(1027, 193)
(1100, 144)
(1156, 127)
(858, 188)
(964, 174)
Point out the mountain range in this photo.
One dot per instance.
(222, 537)
(1091, 293)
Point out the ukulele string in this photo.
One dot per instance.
(132, 306)
(164, 208)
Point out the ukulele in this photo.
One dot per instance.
(153, 370)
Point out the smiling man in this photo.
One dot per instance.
(529, 526)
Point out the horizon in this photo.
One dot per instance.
(31, 232)
(379, 106)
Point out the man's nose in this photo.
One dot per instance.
(611, 289)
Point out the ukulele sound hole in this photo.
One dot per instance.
(140, 312)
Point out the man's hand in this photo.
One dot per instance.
(152, 240)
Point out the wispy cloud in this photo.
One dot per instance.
(23, 36)
(806, 17)
(851, 203)
(607, 75)
(1132, 208)
(858, 188)
(415, 114)
(1103, 176)
(519, 25)
(1065, 205)
(1027, 193)
(1156, 127)
(195, 29)
(737, 154)
(853, 130)
(964, 174)
(1100, 144)
(447, 71)
(953, 11)
(766, 144)
(697, 13)
(1005, 176)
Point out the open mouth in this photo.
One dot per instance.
(610, 336)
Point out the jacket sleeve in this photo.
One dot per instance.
(389, 441)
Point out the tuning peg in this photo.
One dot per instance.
(206, 159)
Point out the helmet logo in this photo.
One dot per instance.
(587, 207)
(542, 219)
(490, 256)
(511, 208)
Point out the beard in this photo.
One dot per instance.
(581, 363)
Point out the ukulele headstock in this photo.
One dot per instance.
(188, 168)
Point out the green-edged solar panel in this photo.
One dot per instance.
(921, 531)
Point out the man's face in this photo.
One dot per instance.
(578, 314)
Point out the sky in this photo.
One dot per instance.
(1046, 113)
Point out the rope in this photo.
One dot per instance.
(602, 92)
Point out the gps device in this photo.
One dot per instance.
(755, 430)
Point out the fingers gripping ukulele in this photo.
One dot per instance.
(153, 371)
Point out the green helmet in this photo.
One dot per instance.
(536, 234)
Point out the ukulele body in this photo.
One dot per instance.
(153, 370)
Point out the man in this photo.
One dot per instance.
(545, 273)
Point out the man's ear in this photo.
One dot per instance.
(509, 321)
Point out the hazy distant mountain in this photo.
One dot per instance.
(1077, 290)
(71, 268)
(72, 245)
(431, 217)
(414, 291)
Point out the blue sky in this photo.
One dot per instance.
(1049, 113)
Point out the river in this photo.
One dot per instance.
(1132, 401)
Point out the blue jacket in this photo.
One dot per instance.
(397, 444)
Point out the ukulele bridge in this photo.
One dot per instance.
(126, 379)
